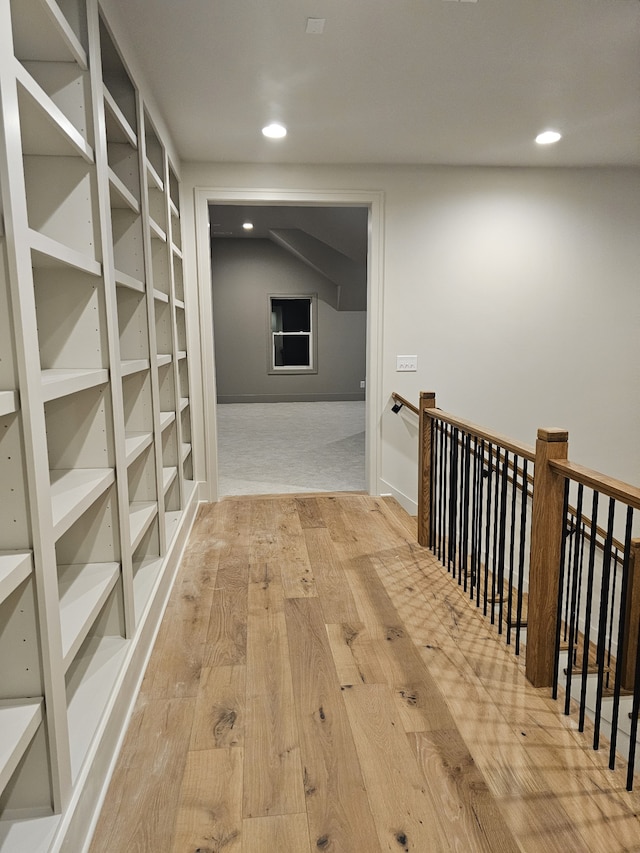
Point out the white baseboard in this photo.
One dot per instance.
(405, 502)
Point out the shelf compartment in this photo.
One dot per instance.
(185, 421)
(176, 251)
(45, 128)
(83, 589)
(145, 575)
(163, 359)
(171, 491)
(71, 319)
(128, 253)
(20, 673)
(124, 280)
(121, 196)
(181, 330)
(47, 253)
(154, 151)
(158, 208)
(19, 721)
(185, 450)
(184, 403)
(170, 445)
(123, 162)
(94, 537)
(160, 267)
(116, 78)
(9, 403)
(15, 530)
(141, 515)
(171, 521)
(42, 31)
(117, 125)
(168, 476)
(133, 365)
(15, 567)
(164, 331)
(178, 282)
(135, 444)
(137, 400)
(166, 419)
(159, 296)
(62, 201)
(132, 325)
(90, 682)
(174, 191)
(79, 431)
(183, 377)
(157, 232)
(74, 491)
(167, 388)
(60, 382)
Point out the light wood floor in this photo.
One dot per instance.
(319, 683)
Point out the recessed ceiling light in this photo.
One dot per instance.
(248, 226)
(274, 131)
(548, 137)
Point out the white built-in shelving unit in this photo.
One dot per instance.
(96, 477)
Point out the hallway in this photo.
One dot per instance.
(320, 683)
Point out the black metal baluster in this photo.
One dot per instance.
(522, 550)
(602, 625)
(474, 520)
(561, 574)
(494, 550)
(588, 607)
(440, 487)
(480, 524)
(502, 535)
(612, 600)
(432, 482)
(624, 592)
(487, 543)
(573, 628)
(512, 546)
(465, 508)
(634, 718)
(453, 502)
(568, 521)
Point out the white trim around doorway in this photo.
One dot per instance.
(374, 201)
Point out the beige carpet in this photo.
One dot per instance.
(280, 448)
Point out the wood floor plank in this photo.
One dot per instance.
(209, 815)
(309, 513)
(226, 642)
(273, 772)
(278, 833)
(354, 654)
(332, 587)
(406, 816)
(339, 815)
(470, 813)
(297, 575)
(141, 805)
(219, 719)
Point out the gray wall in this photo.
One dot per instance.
(244, 273)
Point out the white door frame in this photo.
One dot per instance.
(374, 201)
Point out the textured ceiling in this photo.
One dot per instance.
(393, 81)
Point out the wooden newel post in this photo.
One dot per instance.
(631, 618)
(427, 401)
(546, 542)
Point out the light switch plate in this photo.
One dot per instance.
(406, 363)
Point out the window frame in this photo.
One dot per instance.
(291, 369)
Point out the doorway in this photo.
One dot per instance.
(371, 202)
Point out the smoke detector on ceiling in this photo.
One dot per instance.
(315, 26)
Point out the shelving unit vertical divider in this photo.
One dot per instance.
(113, 341)
(153, 349)
(174, 328)
(20, 273)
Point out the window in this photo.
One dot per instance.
(292, 340)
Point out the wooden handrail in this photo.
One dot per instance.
(608, 486)
(406, 403)
(525, 451)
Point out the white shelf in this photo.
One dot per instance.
(159, 296)
(58, 382)
(184, 403)
(121, 196)
(166, 418)
(74, 491)
(157, 232)
(125, 280)
(179, 304)
(19, 721)
(134, 365)
(181, 354)
(168, 476)
(176, 251)
(174, 210)
(15, 567)
(39, 115)
(89, 687)
(135, 443)
(141, 514)
(9, 402)
(41, 31)
(83, 591)
(50, 253)
(144, 580)
(118, 128)
(185, 450)
(171, 522)
(163, 358)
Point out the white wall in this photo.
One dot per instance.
(518, 289)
